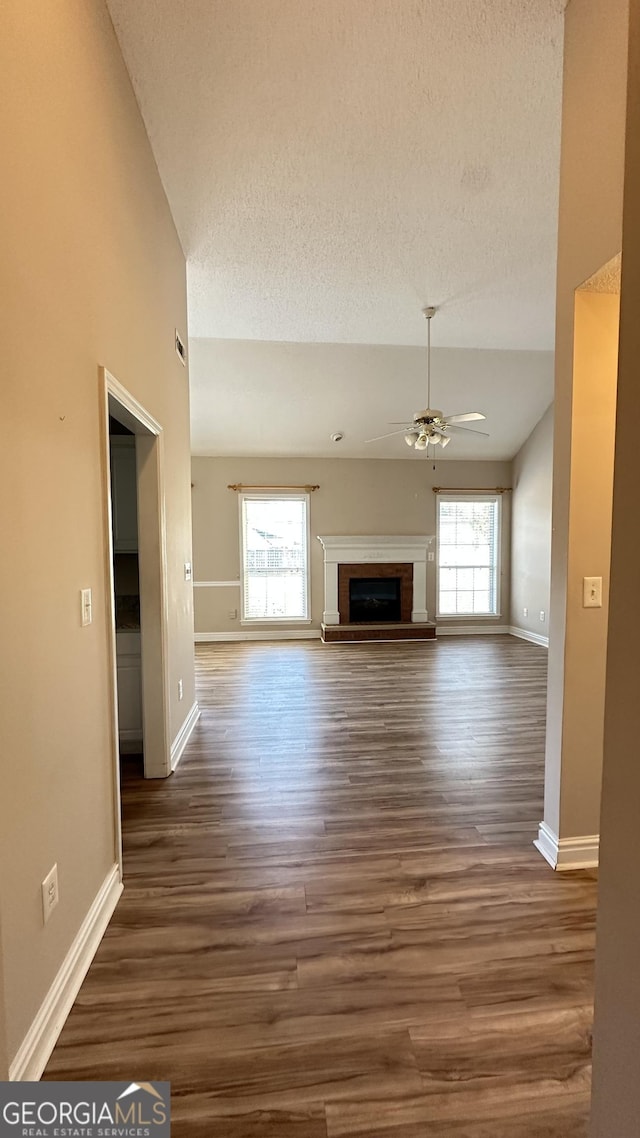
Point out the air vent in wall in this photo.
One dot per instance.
(180, 349)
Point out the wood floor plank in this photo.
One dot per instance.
(334, 920)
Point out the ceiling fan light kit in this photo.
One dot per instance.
(430, 427)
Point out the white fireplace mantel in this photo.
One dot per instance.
(343, 549)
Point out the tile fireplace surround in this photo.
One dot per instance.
(359, 549)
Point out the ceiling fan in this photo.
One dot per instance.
(431, 426)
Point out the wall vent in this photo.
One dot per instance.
(181, 350)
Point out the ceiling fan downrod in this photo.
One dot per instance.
(428, 313)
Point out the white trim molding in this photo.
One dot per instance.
(152, 558)
(567, 853)
(258, 634)
(40, 1040)
(246, 497)
(472, 629)
(183, 736)
(533, 637)
(358, 548)
(216, 584)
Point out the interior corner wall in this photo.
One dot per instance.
(616, 1058)
(589, 235)
(92, 273)
(531, 529)
(356, 496)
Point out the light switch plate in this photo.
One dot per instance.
(592, 592)
(86, 611)
(49, 893)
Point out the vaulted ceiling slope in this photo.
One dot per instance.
(333, 165)
(260, 398)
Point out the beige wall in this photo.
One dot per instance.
(616, 1073)
(92, 273)
(590, 234)
(595, 363)
(356, 496)
(4, 1059)
(531, 529)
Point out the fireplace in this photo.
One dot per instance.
(375, 588)
(374, 599)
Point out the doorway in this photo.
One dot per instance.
(138, 521)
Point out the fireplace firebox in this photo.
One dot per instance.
(375, 592)
(374, 599)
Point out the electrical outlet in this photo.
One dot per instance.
(543, 615)
(431, 556)
(525, 612)
(180, 689)
(188, 573)
(233, 614)
(50, 895)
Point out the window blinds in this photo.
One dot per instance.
(468, 556)
(274, 557)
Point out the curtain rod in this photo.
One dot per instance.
(239, 486)
(471, 489)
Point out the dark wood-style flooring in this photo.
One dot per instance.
(334, 922)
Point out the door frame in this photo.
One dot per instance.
(152, 557)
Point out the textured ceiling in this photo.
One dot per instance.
(333, 165)
(606, 279)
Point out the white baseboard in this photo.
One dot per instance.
(471, 629)
(183, 736)
(534, 637)
(277, 634)
(40, 1040)
(567, 853)
(130, 742)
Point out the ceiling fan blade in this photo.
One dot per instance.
(469, 417)
(388, 435)
(468, 430)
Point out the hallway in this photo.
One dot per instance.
(334, 920)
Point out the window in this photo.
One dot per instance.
(468, 556)
(275, 542)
